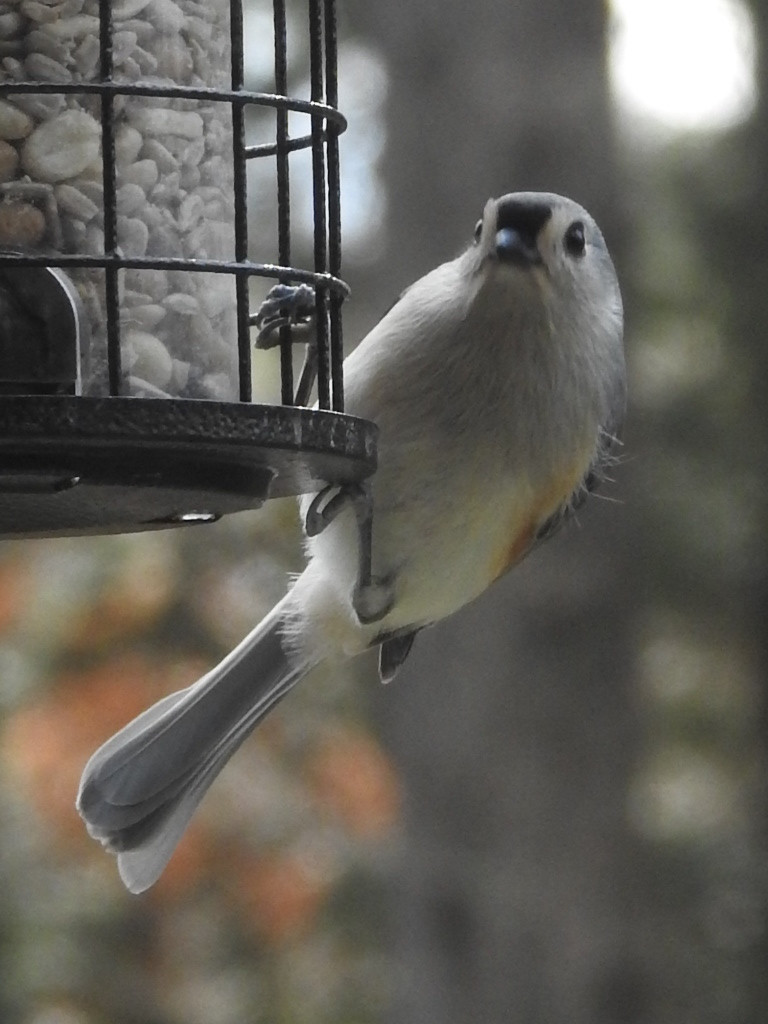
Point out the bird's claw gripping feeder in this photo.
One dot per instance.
(125, 271)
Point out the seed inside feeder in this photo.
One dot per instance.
(174, 181)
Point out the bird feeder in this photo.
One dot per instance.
(126, 270)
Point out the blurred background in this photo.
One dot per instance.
(558, 812)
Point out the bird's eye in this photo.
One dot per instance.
(478, 230)
(575, 240)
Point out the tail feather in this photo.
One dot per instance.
(140, 789)
(149, 844)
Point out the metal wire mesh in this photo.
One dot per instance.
(326, 125)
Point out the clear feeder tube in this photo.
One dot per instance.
(173, 181)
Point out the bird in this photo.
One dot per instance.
(498, 385)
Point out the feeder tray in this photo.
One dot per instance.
(75, 465)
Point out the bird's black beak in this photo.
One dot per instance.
(517, 247)
(518, 224)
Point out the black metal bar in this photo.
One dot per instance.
(319, 200)
(283, 192)
(242, 97)
(109, 177)
(334, 207)
(272, 148)
(241, 202)
(246, 268)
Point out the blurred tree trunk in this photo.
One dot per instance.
(512, 724)
(750, 325)
(731, 207)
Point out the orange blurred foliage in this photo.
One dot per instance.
(14, 591)
(279, 894)
(134, 600)
(47, 742)
(351, 776)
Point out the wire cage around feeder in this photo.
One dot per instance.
(125, 269)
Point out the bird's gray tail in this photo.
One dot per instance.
(139, 790)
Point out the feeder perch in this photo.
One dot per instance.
(126, 377)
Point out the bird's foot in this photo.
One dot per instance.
(373, 600)
(285, 305)
(373, 596)
(326, 505)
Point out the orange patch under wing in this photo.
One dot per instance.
(512, 553)
(524, 534)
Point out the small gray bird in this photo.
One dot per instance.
(498, 385)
